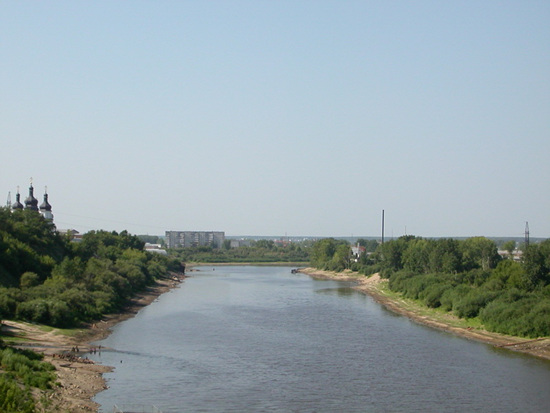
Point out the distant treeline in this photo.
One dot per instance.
(262, 251)
(467, 277)
(46, 278)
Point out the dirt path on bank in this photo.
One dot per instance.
(80, 379)
(374, 286)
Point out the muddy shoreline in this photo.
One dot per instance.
(373, 286)
(79, 378)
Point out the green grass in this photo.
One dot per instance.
(69, 332)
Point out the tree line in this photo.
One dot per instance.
(261, 251)
(46, 278)
(467, 277)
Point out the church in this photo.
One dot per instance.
(32, 203)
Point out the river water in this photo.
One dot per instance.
(260, 339)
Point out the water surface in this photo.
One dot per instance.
(260, 339)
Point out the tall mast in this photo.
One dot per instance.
(382, 226)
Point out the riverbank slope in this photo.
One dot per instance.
(79, 379)
(378, 289)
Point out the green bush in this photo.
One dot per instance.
(398, 280)
(528, 316)
(540, 318)
(433, 293)
(28, 368)
(13, 398)
(419, 286)
(451, 296)
(8, 304)
(416, 287)
(470, 304)
(29, 279)
(34, 310)
(369, 269)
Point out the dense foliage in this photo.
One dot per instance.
(28, 242)
(331, 254)
(466, 277)
(262, 251)
(47, 279)
(22, 370)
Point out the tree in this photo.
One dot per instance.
(28, 242)
(151, 239)
(416, 256)
(390, 254)
(509, 246)
(445, 256)
(265, 243)
(510, 273)
(369, 244)
(536, 261)
(341, 258)
(29, 279)
(323, 252)
(479, 252)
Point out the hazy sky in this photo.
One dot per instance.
(273, 117)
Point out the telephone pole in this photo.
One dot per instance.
(382, 226)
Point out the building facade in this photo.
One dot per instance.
(185, 239)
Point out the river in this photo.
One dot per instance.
(260, 339)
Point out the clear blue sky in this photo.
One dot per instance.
(273, 117)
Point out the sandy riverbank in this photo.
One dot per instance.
(80, 379)
(375, 286)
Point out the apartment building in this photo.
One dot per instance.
(184, 239)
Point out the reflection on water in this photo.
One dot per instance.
(259, 339)
(342, 291)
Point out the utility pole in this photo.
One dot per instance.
(382, 226)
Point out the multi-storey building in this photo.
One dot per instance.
(184, 239)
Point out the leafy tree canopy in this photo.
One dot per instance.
(47, 279)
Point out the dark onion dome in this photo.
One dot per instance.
(45, 205)
(17, 204)
(31, 202)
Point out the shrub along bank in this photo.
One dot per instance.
(467, 277)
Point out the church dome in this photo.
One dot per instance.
(31, 202)
(45, 205)
(17, 204)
